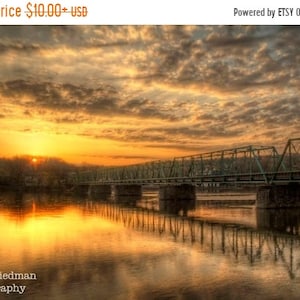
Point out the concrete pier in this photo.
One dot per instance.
(128, 194)
(278, 196)
(128, 190)
(81, 189)
(283, 220)
(176, 198)
(100, 191)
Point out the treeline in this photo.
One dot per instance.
(43, 172)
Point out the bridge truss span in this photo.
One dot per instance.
(289, 163)
(248, 164)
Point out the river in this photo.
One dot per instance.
(79, 248)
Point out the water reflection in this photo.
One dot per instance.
(126, 200)
(230, 239)
(179, 207)
(98, 250)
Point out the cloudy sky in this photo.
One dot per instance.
(121, 95)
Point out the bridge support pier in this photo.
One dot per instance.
(81, 189)
(285, 220)
(128, 193)
(278, 196)
(176, 198)
(101, 191)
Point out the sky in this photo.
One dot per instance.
(120, 95)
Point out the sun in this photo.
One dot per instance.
(34, 160)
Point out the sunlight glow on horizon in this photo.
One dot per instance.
(34, 160)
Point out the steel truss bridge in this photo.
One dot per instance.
(242, 165)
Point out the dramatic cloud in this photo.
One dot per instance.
(121, 94)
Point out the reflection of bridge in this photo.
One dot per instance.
(259, 165)
(239, 242)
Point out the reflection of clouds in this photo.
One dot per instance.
(41, 230)
(65, 247)
(78, 254)
(172, 85)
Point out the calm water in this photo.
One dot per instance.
(83, 249)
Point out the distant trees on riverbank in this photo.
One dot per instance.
(34, 171)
